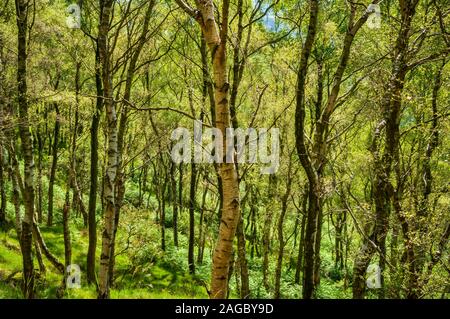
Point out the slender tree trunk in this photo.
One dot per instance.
(299, 264)
(383, 190)
(253, 227)
(308, 276)
(112, 156)
(279, 263)
(162, 219)
(3, 163)
(27, 150)
(314, 210)
(175, 203)
(339, 237)
(67, 241)
(50, 257)
(245, 284)
(38, 251)
(417, 263)
(282, 243)
(237, 72)
(267, 227)
(92, 224)
(318, 239)
(52, 176)
(77, 193)
(229, 180)
(192, 204)
(120, 178)
(2, 182)
(39, 181)
(201, 230)
(66, 231)
(313, 162)
(15, 195)
(14, 178)
(180, 189)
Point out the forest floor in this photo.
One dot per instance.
(155, 280)
(142, 270)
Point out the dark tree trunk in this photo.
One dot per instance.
(38, 252)
(66, 231)
(282, 242)
(77, 193)
(279, 262)
(268, 215)
(2, 183)
(27, 150)
(163, 215)
(15, 189)
(253, 227)
(314, 161)
(92, 224)
(317, 243)
(40, 144)
(418, 258)
(175, 203)
(180, 189)
(192, 204)
(310, 254)
(50, 257)
(245, 285)
(308, 276)
(383, 190)
(3, 163)
(201, 230)
(52, 176)
(301, 247)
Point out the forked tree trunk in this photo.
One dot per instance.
(229, 180)
(314, 161)
(120, 178)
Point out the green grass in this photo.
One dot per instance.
(10, 266)
(140, 273)
(142, 269)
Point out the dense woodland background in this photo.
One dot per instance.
(86, 175)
